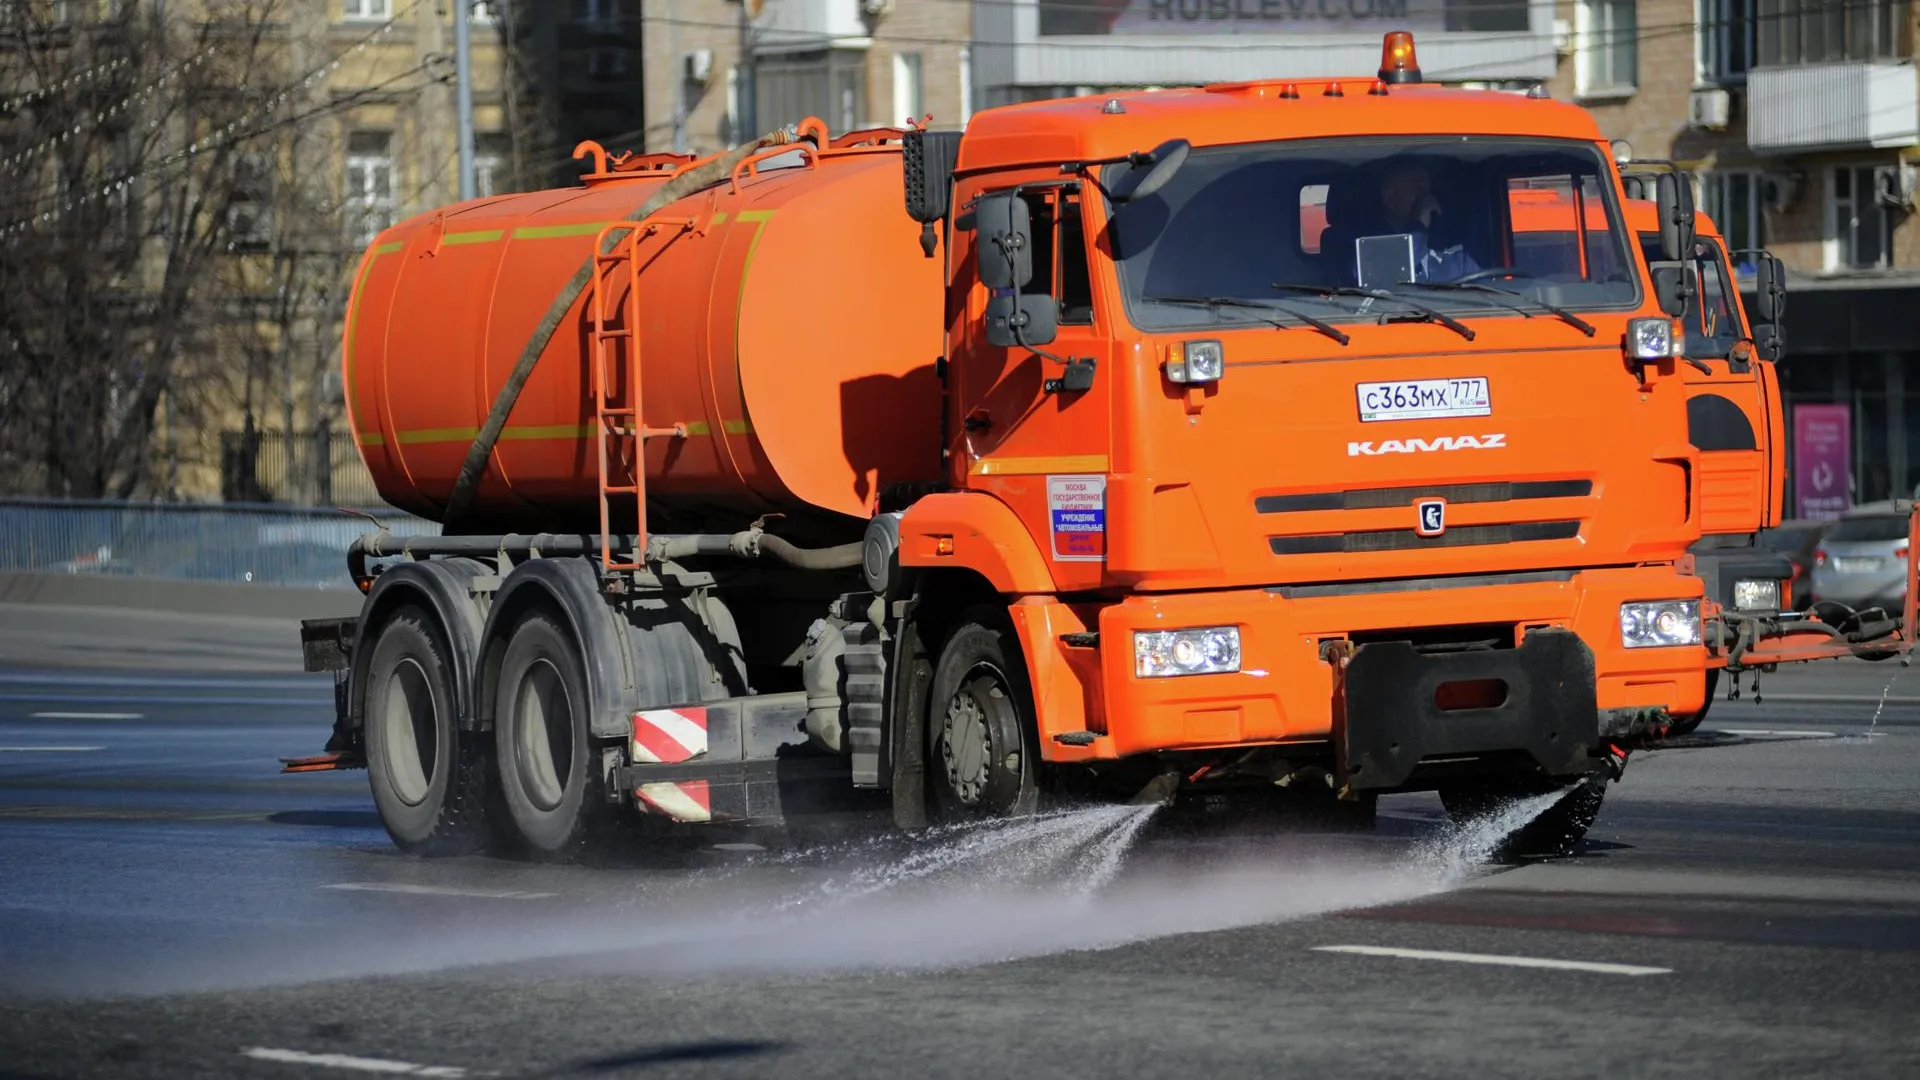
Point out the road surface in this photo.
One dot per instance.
(1748, 905)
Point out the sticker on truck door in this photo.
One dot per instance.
(1077, 513)
(1423, 399)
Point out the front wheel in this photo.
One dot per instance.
(1553, 833)
(983, 754)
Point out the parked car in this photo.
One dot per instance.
(1861, 561)
(1797, 540)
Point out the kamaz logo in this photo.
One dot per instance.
(1427, 446)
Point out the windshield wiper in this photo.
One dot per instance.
(1566, 316)
(1426, 313)
(1326, 328)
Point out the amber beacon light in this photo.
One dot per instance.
(1397, 61)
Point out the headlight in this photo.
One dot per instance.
(1212, 650)
(1659, 623)
(1650, 339)
(1756, 594)
(1196, 362)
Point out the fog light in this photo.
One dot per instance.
(1660, 623)
(1650, 339)
(1159, 654)
(1756, 594)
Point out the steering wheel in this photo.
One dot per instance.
(1491, 272)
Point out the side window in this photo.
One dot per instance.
(1560, 228)
(1313, 217)
(1060, 254)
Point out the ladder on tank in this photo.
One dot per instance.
(620, 427)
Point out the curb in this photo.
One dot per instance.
(182, 597)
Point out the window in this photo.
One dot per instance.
(1794, 32)
(606, 63)
(908, 89)
(1723, 41)
(1060, 254)
(1313, 217)
(369, 194)
(366, 9)
(490, 165)
(1606, 48)
(250, 205)
(830, 84)
(1859, 229)
(601, 11)
(1736, 201)
(1712, 325)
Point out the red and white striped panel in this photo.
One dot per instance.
(686, 800)
(669, 736)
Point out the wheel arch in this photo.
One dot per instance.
(568, 589)
(986, 536)
(442, 588)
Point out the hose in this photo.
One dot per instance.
(833, 558)
(460, 499)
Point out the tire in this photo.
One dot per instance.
(1555, 833)
(983, 757)
(429, 784)
(548, 784)
(1681, 728)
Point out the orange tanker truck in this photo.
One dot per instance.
(941, 474)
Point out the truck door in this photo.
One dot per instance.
(1042, 451)
(1728, 419)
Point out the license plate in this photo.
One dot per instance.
(1423, 399)
(1864, 565)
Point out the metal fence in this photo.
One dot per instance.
(259, 544)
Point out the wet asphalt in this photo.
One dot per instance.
(1747, 905)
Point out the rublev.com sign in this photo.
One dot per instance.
(1822, 460)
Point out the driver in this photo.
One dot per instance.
(1408, 205)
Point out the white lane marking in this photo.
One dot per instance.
(435, 890)
(88, 716)
(1796, 733)
(1487, 958)
(1840, 699)
(361, 1064)
(48, 749)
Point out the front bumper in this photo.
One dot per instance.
(1577, 685)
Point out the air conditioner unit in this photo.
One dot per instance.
(1708, 109)
(699, 66)
(1893, 186)
(876, 9)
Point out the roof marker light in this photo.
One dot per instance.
(1290, 92)
(1379, 88)
(1333, 90)
(1398, 64)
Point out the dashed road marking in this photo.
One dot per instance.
(1785, 733)
(88, 716)
(359, 1064)
(1488, 958)
(436, 890)
(48, 749)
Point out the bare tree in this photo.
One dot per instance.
(133, 160)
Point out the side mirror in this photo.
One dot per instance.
(1003, 244)
(1672, 288)
(1149, 172)
(1017, 320)
(1676, 217)
(1770, 290)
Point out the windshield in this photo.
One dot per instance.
(1537, 218)
(1712, 324)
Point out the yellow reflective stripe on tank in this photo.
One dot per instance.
(371, 438)
(1033, 466)
(353, 327)
(554, 232)
(478, 236)
(527, 432)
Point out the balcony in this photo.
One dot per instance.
(1847, 106)
(788, 26)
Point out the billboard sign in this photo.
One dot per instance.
(1822, 460)
(1290, 17)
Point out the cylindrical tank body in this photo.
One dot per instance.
(790, 322)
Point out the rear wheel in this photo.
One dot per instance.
(1555, 832)
(541, 739)
(429, 788)
(983, 757)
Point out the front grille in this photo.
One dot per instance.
(1407, 539)
(1383, 498)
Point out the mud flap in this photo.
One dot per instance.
(1392, 718)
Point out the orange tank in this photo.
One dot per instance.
(788, 323)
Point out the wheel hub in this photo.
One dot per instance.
(966, 744)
